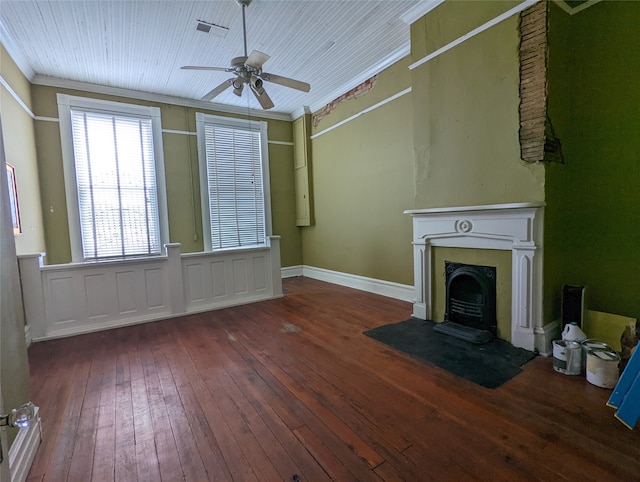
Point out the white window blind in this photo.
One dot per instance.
(235, 183)
(116, 184)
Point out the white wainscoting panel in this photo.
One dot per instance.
(64, 300)
(232, 277)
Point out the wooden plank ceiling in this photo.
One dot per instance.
(141, 45)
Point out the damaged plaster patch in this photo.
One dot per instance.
(289, 328)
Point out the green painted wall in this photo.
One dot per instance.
(362, 175)
(556, 242)
(466, 121)
(596, 191)
(181, 173)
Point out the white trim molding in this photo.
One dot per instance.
(420, 10)
(573, 10)
(545, 335)
(388, 61)
(24, 448)
(15, 52)
(164, 99)
(463, 38)
(281, 143)
(516, 227)
(362, 112)
(292, 271)
(16, 97)
(65, 105)
(372, 285)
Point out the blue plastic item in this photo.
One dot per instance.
(626, 394)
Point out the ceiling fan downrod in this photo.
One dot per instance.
(244, 4)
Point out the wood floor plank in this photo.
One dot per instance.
(176, 415)
(105, 444)
(204, 386)
(204, 438)
(304, 416)
(329, 389)
(336, 469)
(147, 464)
(263, 421)
(81, 463)
(292, 386)
(165, 444)
(55, 376)
(125, 460)
(359, 446)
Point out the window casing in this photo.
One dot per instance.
(234, 182)
(114, 178)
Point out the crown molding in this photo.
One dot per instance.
(463, 38)
(165, 99)
(420, 10)
(391, 59)
(573, 10)
(15, 52)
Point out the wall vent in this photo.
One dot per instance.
(211, 28)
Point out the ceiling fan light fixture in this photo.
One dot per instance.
(237, 89)
(256, 85)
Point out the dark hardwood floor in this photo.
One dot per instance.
(292, 386)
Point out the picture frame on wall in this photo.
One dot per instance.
(13, 199)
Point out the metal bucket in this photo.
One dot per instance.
(567, 357)
(602, 367)
(593, 344)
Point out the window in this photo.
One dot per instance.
(114, 178)
(234, 180)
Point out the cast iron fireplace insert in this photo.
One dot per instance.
(471, 296)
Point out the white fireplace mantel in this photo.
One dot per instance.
(517, 227)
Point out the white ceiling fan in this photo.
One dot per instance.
(248, 70)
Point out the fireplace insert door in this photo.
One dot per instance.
(471, 296)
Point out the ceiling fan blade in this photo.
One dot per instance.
(264, 99)
(218, 90)
(286, 81)
(256, 59)
(196, 67)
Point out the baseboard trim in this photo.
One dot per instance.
(372, 285)
(292, 271)
(24, 448)
(545, 335)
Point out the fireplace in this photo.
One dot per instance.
(471, 296)
(517, 228)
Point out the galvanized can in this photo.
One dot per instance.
(567, 357)
(593, 344)
(602, 367)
